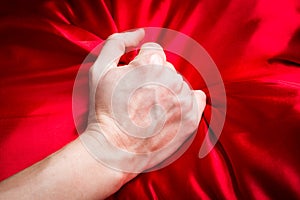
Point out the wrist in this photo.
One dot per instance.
(95, 172)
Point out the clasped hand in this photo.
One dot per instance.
(139, 113)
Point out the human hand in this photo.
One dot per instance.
(140, 113)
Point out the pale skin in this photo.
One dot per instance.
(72, 172)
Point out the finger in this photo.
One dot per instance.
(168, 64)
(150, 53)
(113, 49)
(201, 101)
(116, 44)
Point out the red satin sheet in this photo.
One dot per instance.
(255, 44)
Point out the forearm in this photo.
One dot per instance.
(70, 173)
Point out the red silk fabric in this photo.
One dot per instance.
(255, 45)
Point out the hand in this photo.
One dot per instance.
(139, 113)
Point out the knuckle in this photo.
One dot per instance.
(114, 36)
(192, 121)
(91, 71)
(151, 45)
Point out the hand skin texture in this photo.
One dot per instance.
(72, 172)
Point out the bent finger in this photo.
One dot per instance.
(201, 101)
(169, 65)
(113, 49)
(150, 53)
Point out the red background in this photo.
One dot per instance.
(255, 44)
